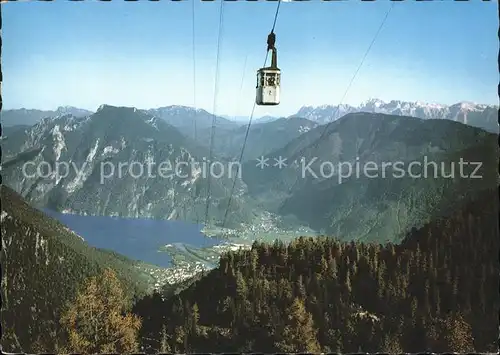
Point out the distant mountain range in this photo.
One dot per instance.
(185, 117)
(266, 199)
(245, 119)
(195, 121)
(30, 117)
(478, 115)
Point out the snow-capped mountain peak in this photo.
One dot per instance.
(457, 112)
(373, 103)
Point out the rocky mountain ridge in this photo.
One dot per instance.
(112, 161)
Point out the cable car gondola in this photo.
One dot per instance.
(268, 78)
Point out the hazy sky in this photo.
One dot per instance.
(141, 54)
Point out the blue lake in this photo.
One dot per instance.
(138, 239)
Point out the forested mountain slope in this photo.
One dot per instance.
(373, 209)
(435, 292)
(373, 177)
(43, 263)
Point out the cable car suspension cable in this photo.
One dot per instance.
(248, 128)
(194, 69)
(216, 86)
(276, 16)
(194, 97)
(193, 197)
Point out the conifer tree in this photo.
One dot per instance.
(164, 347)
(391, 344)
(97, 322)
(299, 333)
(458, 335)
